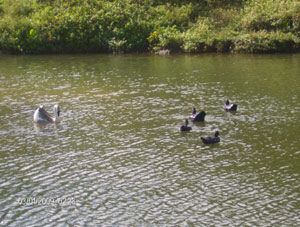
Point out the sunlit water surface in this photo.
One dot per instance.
(118, 157)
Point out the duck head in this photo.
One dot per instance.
(217, 133)
(194, 110)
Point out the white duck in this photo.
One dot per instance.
(42, 116)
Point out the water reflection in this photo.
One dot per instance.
(118, 151)
(44, 128)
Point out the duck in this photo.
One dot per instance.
(211, 140)
(186, 128)
(42, 116)
(197, 117)
(229, 106)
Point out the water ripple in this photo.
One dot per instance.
(119, 156)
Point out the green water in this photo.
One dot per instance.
(118, 158)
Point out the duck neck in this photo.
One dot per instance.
(56, 116)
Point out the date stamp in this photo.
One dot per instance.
(46, 201)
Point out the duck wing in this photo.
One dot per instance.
(230, 107)
(192, 117)
(210, 140)
(206, 140)
(44, 116)
(215, 140)
(234, 107)
(200, 117)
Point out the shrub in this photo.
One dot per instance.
(52, 26)
(264, 42)
(195, 38)
(270, 15)
(168, 38)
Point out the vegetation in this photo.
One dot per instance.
(194, 26)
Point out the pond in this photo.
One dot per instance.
(118, 157)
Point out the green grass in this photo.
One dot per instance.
(78, 26)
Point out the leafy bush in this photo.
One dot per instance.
(56, 26)
(195, 38)
(265, 42)
(270, 15)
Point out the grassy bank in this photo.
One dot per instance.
(195, 26)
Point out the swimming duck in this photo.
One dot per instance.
(229, 106)
(185, 127)
(42, 116)
(211, 140)
(198, 117)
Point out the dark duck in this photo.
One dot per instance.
(228, 106)
(197, 117)
(186, 127)
(211, 140)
